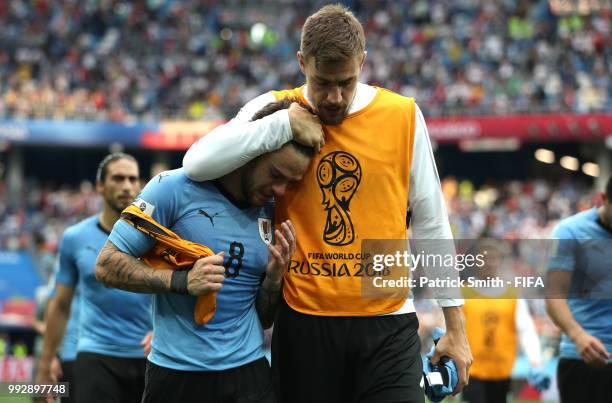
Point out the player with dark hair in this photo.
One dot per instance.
(113, 324)
(580, 269)
(217, 357)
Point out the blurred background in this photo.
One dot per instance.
(517, 96)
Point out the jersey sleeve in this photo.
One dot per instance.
(52, 284)
(233, 144)
(564, 248)
(429, 219)
(158, 199)
(67, 271)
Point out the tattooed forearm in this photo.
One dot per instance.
(267, 302)
(120, 270)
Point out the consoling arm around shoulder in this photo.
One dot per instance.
(233, 144)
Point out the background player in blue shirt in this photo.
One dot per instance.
(110, 361)
(222, 360)
(68, 349)
(582, 266)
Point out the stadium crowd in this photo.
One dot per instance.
(36, 220)
(156, 59)
(513, 209)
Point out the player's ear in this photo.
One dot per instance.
(365, 54)
(302, 62)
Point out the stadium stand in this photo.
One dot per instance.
(148, 60)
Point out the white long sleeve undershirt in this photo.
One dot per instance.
(528, 337)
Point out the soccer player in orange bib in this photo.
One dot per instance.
(330, 343)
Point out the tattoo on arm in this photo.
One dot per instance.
(267, 302)
(120, 270)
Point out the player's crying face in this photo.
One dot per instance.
(331, 87)
(270, 175)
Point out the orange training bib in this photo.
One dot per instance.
(355, 189)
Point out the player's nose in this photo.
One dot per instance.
(279, 189)
(334, 96)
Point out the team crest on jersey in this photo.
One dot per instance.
(144, 206)
(265, 229)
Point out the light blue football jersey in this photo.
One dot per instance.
(200, 212)
(111, 321)
(585, 248)
(68, 348)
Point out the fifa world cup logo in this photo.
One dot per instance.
(339, 175)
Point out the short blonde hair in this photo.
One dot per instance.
(332, 34)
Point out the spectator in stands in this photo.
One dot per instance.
(121, 61)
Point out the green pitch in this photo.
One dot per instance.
(18, 399)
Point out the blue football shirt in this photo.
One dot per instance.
(111, 321)
(585, 248)
(201, 213)
(68, 348)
